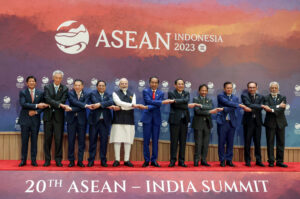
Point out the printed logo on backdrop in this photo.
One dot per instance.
(164, 129)
(6, 102)
(188, 86)
(140, 128)
(72, 37)
(117, 81)
(297, 90)
(211, 89)
(45, 81)
(70, 82)
(297, 129)
(165, 86)
(234, 88)
(17, 125)
(287, 110)
(141, 86)
(20, 82)
(94, 83)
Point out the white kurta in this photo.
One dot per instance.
(122, 132)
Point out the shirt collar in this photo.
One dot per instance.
(56, 85)
(32, 89)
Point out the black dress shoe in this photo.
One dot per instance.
(260, 164)
(204, 163)
(222, 163)
(281, 165)
(229, 163)
(33, 163)
(172, 163)
(271, 164)
(23, 163)
(116, 163)
(71, 164)
(128, 164)
(80, 164)
(145, 164)
(59, 164)
(90, 164)
(155, 164)
(196, 163)
(248, 164)
(46, 164)
(181, 164)
(103, 164)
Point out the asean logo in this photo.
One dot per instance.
(72, 37)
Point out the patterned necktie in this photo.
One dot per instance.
(32, 95)
(78, 96)
(252, 98)
(274, 100)
(153, 95)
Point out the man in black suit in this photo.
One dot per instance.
(179, 118)
(252, 122)
(275, 123)
(100, 120)
(76, 121)
(55, 96)
(31, 101)
(202, 124)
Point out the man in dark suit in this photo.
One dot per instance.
(252, 123)
(55, 95)
(275, 123)
(227, 122)
(202, 124)
(31, 101)
(179, 118)
(100, 120)
(151, 119)
(76, 121)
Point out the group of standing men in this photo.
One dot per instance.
(114, 114)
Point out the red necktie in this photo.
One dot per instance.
(31, 94)
(153, 95)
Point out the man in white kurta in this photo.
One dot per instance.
(123, 129)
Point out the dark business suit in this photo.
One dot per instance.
(275, 123)
(54, 120)
(227, 122)
(179, 118)
(202, 123)
(252, 123)
(100, 121)
(76, 123)
(151, 119)
(30, 125)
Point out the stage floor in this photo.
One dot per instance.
(12, 165)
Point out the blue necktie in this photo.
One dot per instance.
(56, 89)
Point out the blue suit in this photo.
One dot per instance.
(151, 119)
(30, 125)
(76, 123)
(227, 122)
(100, 123)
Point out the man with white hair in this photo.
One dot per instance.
(55, 96)
(123, 129)
(275, 123)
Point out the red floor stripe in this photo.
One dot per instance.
(6, 165)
